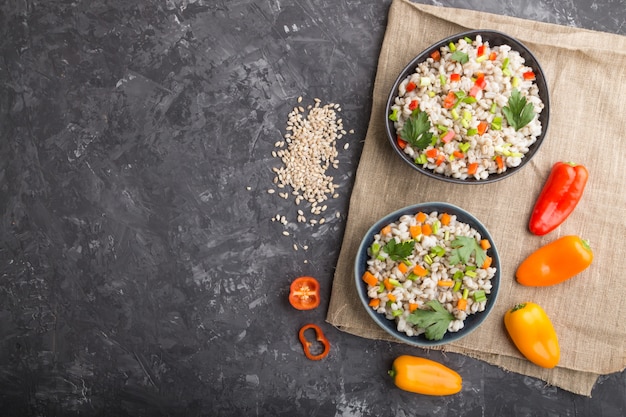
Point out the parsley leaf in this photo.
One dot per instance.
(399, 251)
(463, 247)
(434, 321)
(519, 111)
(459, 56)
(416, 130)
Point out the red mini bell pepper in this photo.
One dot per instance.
(558, 198)
(319, 336)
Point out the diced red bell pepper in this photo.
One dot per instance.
(410, 86)
(529, 75)
(413, 104)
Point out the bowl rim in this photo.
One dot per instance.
(389, 326)
(540, 81)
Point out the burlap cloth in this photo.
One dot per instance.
(586, 73)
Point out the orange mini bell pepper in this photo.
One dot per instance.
(424, 376)
(555, 262)
(533, 334)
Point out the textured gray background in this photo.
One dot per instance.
(140, 271)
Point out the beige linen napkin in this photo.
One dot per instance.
(585, 72)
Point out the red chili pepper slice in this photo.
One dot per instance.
(558, 198)
(304, 293)
(319, 336)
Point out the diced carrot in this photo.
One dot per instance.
(413, 104)
(436, 55)
(448, 102)
(492, 56)
(455, 77)
(427, 229)
(440, 159)
(385, 230)
(374, 302)
(388, 285)
(487, 263)
(415, 231)
(529, 75)
(443, 283)
(420, 271)
(499, 161)
(370, 279)
(461, 304)
(391, 297)
(432, 152)
(401, 142)
(485, 244)
(410, 86)
(403, 268)
(482, 127)
(472, 168)
(413, 307)
(458, 154)
(445, 219)
(421, 217)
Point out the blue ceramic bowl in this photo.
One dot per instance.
(472, 321)
(494, 38)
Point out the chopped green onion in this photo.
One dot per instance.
(455, 114)
(437, 251)
(471, 268)
(394, 115)
(412, 276)
(431, 94)
(515, 82)
(457, 286)
(436, 225)
(472, 132)
(452, 46)
(479, 295)
(442, 79)
(381, 288)
(505, 63)
(424, 81)
(467, 115)
(421, 159)
(465, 123)
(496, 124)
(428, 259)
(458, 276)
(482, 58)
(493, 108)
(465, 293)
(396, 313)
(464, 147)
(442, 128)
(506, 72)
(471, 274)
(375, 248)
(395, 282)
(446, 235)
(468, 40)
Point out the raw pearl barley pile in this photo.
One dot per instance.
(308, 150)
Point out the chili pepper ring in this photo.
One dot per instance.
(319, 336)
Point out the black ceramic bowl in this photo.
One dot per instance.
(494, 38)
(472, 321)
